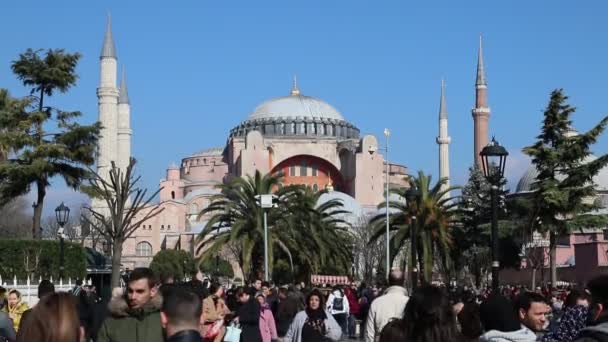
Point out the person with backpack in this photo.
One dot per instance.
(337, 305)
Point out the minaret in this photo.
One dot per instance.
(107, 96)
(444, 140)
(124, 124)
(481, 112)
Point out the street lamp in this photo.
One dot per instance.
(493, 160)
(266, 202)
(62, 214)
(411, 196)
(387, 134)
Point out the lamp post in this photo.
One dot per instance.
(387, 134)
(493, 160)
(411, 196)
(62, 214)
(266, 202)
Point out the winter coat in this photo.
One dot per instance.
(294, 334)
(594, 333)
(384, 308)
(521, 335)
(16, 312)
(287, 309)
(573, 320)
(249, 318)
(6, 327)
(127, 325)
(353, 302)
(186, 336)
(337, 295)
(268, 328)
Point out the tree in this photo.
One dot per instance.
(368, 256)
(127, 207)
(434, 215)
(39, 155)
(173, 263)
(217, 268)
(14, 219)
(565, 174)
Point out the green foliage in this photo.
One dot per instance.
(222, 269)
(15, 253)
(306, 235)
(172, 262)
(434, 216)
(565, 173)
(46, 141)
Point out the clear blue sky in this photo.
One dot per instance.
(197, 68)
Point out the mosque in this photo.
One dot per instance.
(305, 138)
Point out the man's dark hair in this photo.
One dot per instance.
(265, 284)
(598, 287)
(496, 313)
(525, 300)
(45, 287)
(396, 278)
(182, 307)
(214, 287)
(143, 273)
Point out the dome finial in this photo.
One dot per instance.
(294, 90)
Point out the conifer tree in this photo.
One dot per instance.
(564, 183)
(44, 141)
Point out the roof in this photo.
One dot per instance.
(108, 49)
(213, 151)
(527, 181)
(295, 105)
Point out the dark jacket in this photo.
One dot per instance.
(6, 327)
(128, 325)
(249, 318)
(287, 309)
(186, 336)
(595, 333)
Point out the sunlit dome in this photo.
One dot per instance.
(295, 105)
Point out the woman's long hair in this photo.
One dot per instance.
(53, 319)
(428, 317)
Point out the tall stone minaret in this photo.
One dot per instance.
(107, 95)
(124, 124)
(444, 140)
(481, 112)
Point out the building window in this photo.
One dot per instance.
(315, 187)
(143, 249)
(162, 227)
(314, 170)
(172, 194)
(168, 227)
(292, 171)
(303, 169)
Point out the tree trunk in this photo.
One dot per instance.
(116, 256)
(38, 206)
(553, 257)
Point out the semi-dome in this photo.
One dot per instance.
(295, 105)
(526, 182)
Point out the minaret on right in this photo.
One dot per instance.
(444, 140)
(481, 112)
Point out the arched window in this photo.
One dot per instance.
(292, 171)
(143, 249)
(314, 170)
(172, 194)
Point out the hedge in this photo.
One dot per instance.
(13, 255)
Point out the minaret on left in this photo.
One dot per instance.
(444, 140)
(114, 110)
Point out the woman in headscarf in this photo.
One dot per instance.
(314, 324)
(573, 320)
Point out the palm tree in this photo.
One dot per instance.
(434, 215)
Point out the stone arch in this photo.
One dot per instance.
(326, 171)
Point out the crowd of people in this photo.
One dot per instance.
(196, 311)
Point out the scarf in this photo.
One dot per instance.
(573, 321)
(314, 327)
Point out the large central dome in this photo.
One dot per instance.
(295, 105)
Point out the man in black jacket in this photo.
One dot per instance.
(598, 312)
(248, 315)
(180, 315)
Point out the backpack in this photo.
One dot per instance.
(338, 304)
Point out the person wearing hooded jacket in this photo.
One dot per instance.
(500, 322)
(135, 317)
(337, 305)
(313, 324)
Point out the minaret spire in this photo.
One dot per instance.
(109, 48)
(294, 90)
(481, 112)
(444, 140)
(124, 93)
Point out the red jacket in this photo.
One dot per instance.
(353, 303)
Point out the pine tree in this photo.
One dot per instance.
(565, 174)
(40, 150)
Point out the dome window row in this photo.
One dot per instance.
(298, 127)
